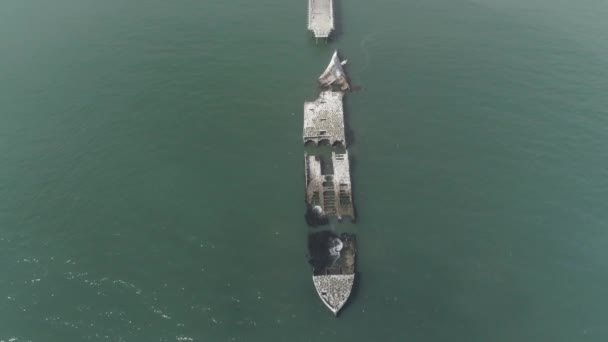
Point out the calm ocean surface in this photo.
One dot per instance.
(151, 170)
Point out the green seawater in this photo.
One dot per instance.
(151, 170)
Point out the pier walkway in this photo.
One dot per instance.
(321, 17)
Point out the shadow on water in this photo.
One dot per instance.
(338, 26)
(348, 131)
(352, 164)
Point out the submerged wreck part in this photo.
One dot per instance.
(321, 17)
(333, 268)
(326, 258)
(324, 119)
(315, 216)
(328, 195)
(334, 74)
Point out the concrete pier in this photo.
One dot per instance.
(324, 119)
(321, 17)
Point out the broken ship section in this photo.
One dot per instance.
(328, 190)
(328, 195)
(333, 261)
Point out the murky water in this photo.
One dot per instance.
(151, 170)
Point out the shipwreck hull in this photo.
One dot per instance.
(328, 192)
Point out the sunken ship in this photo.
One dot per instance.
(328, 192)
